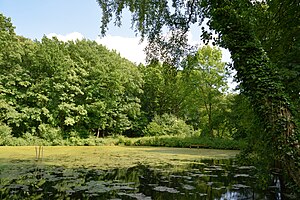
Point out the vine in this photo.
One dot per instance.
(260, 82)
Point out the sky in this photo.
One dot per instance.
(76, 19)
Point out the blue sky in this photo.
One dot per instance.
(35, 18)
(71, 19)
(75, 19)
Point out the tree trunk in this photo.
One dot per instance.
(98, 132)
(210, 125)
(259, 82)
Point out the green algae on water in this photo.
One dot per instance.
(106, 157)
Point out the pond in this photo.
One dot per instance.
(199, 179)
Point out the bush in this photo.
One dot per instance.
(34, 140)
(168, 124)
(187, 141)
(13, 141)
(48, 132)
(5, 131)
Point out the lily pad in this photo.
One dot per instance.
(241, 175)
(138, 196)
(188, 187)
(165, 189)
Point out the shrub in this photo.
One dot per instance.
(75, 141)
(168, 124)
(30, 139)
(14, 141)
(48, 132)
(5, 131)
(186, 141)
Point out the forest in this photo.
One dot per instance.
(56, 90)
(77, 93)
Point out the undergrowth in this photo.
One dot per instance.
(160, 141)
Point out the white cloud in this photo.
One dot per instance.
(68, 37)
(130, 48)
(226, 56)
(191, 39)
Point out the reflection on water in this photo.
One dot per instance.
(208, 179)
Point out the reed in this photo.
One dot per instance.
(39, 153)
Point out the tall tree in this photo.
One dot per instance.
(65, 88)
(278, 30)
(235, 23)
(13, 78)
(204, 80)
(160, 82)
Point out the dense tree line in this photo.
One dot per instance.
(54, 90)
(51, 88)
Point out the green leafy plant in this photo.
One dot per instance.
(168, 124)
(5, 131)
(48, 132)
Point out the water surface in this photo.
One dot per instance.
(205, 179)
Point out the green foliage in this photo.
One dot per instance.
(199, 98)
(242, 120)
(263, 38)
(5, 131)
(5, 134)
(160, 82)
(204, 83)
(259, 78)
(281, 41)
(60, 87)
(48, 132)
(168, 124)
(80, 89)
(165, 140)
(10, 54)
(188, 141)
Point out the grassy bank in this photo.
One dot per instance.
(105, 157)
(159, 141)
